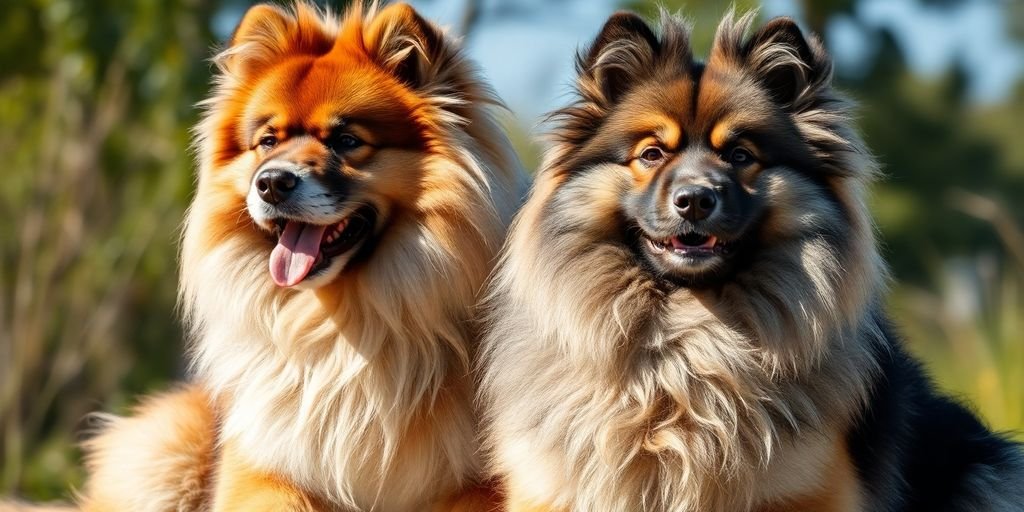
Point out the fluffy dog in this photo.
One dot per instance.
(353, 192)
(688, 315)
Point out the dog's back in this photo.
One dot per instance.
(917, 450)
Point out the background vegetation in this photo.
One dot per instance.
(96, 99)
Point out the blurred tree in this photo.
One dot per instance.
(95, 102)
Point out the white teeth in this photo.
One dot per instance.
(336, 232)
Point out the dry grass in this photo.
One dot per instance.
(968, 326)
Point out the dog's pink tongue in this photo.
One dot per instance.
(295, 253)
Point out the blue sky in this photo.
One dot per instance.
(526, 46)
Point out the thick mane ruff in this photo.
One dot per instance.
(364, 382)
(615, 386)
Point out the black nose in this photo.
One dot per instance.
(275, 185)
(694, 202)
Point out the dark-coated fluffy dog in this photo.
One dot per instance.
(688, 315)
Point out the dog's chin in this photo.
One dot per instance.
(692, 260)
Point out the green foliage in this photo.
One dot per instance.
(967, 322)
(929, 141)
(96, 99)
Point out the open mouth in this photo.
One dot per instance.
(305, 249)
(689, 244)
(692, 258)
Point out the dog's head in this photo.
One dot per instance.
(700, 164)
(327, 142)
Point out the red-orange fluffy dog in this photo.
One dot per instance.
(353, 190)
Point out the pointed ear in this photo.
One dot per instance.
(260, 35)
(260, 21)
(405, 44)
(624, 53)
(789, 65)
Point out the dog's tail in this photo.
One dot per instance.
(160, 457)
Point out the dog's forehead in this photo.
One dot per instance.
(695, 103)
(727, 88)
(313, 93)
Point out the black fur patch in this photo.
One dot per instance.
(918, 451)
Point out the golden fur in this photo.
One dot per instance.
(342, 393)
(611, 388)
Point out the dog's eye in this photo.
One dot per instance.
(344, 142)
(268, 141)
(652, 155)
(740, 157)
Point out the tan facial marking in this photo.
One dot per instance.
(721, 134)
